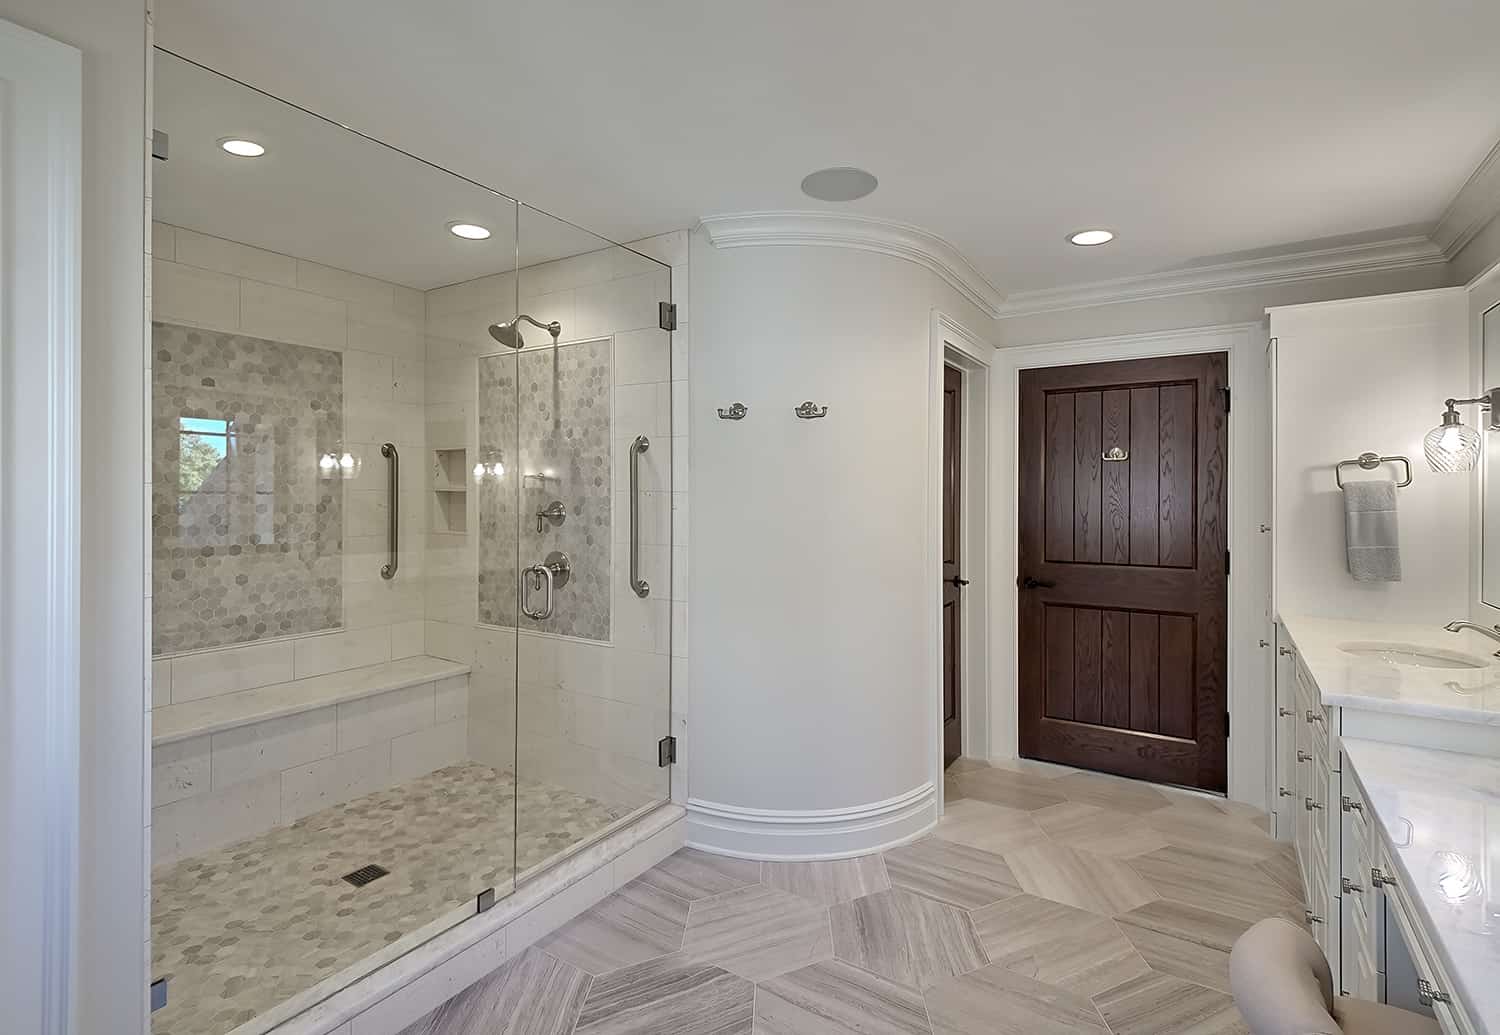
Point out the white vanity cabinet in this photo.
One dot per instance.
(1357, 844)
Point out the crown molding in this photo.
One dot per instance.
(1476, 203)
(863, 233)
(1375, 257)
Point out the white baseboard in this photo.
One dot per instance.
(800, 835)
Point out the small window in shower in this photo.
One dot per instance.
(213, 474)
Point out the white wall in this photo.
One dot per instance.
(111, 962)
(1369, 375)
(811, 689)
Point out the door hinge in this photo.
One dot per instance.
(666, 751)
(1225, 390)
(1226, 724)
(158, 994)
(161, 145)
(1226, 564)
(666, 315)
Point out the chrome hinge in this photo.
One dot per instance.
(1379, 877)
(1428, 993)
(1285, 712)
(1284, 792)
(484, 901)
(1312, 917)
(1348, 804)
(666, 315)
(1309, 804)
(1285, 652)
(1265, 642)
(666, 751)
(1303, 756)
(1346, 885)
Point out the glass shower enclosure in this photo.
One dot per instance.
(412, 581)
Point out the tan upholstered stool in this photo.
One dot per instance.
(1282, 986)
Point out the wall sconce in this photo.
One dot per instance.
(1453, 447)
(491, 466)
(338, 464)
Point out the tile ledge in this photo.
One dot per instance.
(176, 722)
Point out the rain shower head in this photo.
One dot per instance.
(509, 334)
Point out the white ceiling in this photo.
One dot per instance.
(1193, 128)
(328, 195)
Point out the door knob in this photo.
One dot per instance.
(960, 583)
(1030, 582)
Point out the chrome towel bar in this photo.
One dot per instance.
(1370, 461)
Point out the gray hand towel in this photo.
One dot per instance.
(1374, 540)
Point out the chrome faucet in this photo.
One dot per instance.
(1492, 632)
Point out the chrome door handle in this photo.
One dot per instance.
(1314, 717)
(541, 578)
(1379, 878)
(1350, 805)
(1309, 804)
(1285, 712)
(1030, 582)
(1346, 886)
(1285, 652)
(638, 585)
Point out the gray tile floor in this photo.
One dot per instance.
(1047, 901)
(242, 929)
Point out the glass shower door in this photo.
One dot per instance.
(594, 589)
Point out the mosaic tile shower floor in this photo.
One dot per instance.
(241, 929)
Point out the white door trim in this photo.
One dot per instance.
(41, 170)
(1250, 694)
(951, 342)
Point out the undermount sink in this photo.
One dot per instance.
(1414, 655)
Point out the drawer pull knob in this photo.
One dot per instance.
(1303, 756)
(1312, 917)
(1310, 804)
(1428, 993)
(1346, 886)
(1350, 805)
(1379, 878)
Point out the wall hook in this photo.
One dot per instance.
(736, 411)
(810, 411)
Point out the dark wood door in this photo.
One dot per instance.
(953, 582)
(1123, 575)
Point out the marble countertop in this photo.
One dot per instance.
(226, 711)
(1439, 813)
(1376, 684)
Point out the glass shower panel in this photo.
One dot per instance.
(333, 736)
(593, 591)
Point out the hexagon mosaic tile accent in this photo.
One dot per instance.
(246, 536)
(546, 413)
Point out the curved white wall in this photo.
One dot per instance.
(812, 704)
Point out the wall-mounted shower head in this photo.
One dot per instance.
(509, 334)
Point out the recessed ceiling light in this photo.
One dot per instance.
(843, 183)
(242, 148)
(1090, 238)
(469, 231)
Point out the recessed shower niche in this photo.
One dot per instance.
(341, 676)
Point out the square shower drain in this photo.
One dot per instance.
(365, 874)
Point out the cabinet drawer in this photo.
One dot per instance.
(1451, 1015)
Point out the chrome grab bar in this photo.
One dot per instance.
(393, 525)
(641, 587)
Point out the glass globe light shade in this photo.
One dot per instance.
(1451, 447)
